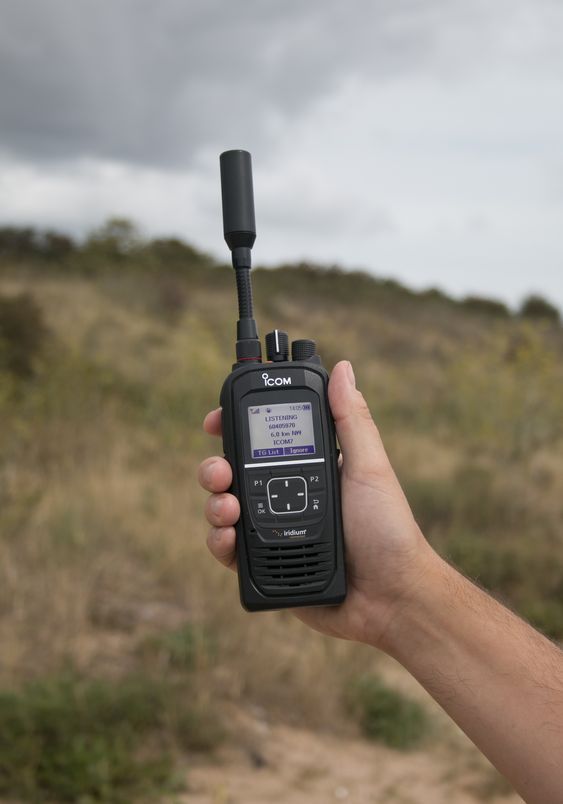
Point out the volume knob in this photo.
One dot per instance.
(277, 346)
(303, 349)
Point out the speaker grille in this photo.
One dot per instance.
(283, 569)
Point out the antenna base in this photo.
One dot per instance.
(249, 350)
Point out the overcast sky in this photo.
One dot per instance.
(419, 139)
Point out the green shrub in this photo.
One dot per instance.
(173, 255)
(115, 239)
(538, 307)
(484, 306)
(74, 740)
(18, 243)
(22, 334)
(178, 649)
(386, 715)
(71, 739)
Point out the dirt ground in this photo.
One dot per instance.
(279, 763)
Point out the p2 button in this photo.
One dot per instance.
(315, 480)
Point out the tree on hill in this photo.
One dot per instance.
(24, 242)
(480, 304)
(535, 306)
(118, 237)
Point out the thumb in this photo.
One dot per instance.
(364, 456)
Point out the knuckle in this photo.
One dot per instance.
(223, 553)
(213, 538)
(362, 409)
(206, 472)
(213, 509)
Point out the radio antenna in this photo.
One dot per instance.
(239, 228)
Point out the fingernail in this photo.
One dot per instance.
(216, 505)
(350, 373)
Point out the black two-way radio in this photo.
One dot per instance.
(279, 438)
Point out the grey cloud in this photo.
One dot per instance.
(153, 83)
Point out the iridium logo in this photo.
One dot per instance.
(275, 380)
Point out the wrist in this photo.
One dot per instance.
(413, 610)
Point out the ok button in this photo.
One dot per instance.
(287, 495)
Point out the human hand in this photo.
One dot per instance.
(386, 554)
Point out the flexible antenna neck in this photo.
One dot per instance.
(239, 228)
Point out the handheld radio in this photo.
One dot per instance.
(279, 438)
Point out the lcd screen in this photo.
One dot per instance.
(281, 430)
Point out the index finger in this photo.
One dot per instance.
(212, 422)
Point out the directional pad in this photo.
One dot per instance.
(287, 495)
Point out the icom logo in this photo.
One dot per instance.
(275, 380)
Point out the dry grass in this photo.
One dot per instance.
(102, 538)
(108, 541)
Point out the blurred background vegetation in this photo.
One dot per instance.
(120, 638)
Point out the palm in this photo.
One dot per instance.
(381, 538)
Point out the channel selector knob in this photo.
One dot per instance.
(277, 346)
(303, 349)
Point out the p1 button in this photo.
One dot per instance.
(257, 482)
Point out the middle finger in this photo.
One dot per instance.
(222, 510)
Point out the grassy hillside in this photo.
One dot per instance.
(110, 355)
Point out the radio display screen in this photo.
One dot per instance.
(281, 430)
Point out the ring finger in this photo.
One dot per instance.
(222, 510)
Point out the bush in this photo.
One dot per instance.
(435, 295)
(17, 242)
(22, 334)
(55, 246)
(538, 307)
(386, 715)
(116, 239)
(180, 649)
(491, 307)
(72, 739)
(173, 254)
(23, 242)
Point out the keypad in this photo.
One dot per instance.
(286, 495)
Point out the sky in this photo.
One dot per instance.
(417, 139)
